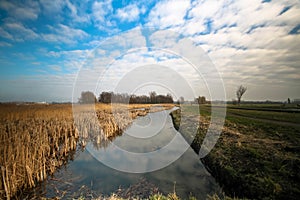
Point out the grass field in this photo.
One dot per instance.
(258, 153)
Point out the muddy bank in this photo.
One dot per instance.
(249, 161)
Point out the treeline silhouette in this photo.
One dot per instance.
(111, 97)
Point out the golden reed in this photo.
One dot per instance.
(37, 139)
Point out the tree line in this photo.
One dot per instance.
(111, 97)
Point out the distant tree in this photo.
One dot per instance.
(87, 97)
(111, 97)
(133, 99)
(234, 102)
(143, 99)
(169, 98)
(289, 101)
(239, 93)
(201, 100)
(105, 97)
(152, 97)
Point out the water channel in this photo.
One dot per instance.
(111, 167)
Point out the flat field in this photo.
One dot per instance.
(258, 153)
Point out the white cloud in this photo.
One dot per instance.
(168, 13)
(72, 8)
(71, 32)
(20, 32)
(102, 13)
(72, 54)
(124, 41)
(52, 8)
(232, 36)
(28, 10)
(129, 13)
(64, 34)
(93, 43)
(25, 13)
(78, 12)
(101, 9)
(5, 44)
(193, 27)
(5, 34)
(112, 66)
(205, 9)
(248, 41)
(70, 61)
(163, 38)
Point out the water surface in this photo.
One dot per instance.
(149, 143)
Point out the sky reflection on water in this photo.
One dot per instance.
(187, 171)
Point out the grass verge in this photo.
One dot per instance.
(253, 158)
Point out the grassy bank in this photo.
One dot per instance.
(37, 139)
(257, 155)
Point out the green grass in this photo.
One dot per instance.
(270, 115)
(255, 114)
(267, 106)
(257, 155)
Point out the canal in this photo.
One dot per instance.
(149, 155)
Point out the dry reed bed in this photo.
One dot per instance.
(102, 123)
(37, 139)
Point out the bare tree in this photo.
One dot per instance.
(239, 93)
(152, 97)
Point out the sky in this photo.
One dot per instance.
(53, 50)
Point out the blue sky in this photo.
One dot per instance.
(44, 44)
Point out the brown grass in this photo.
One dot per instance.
(37, 139)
